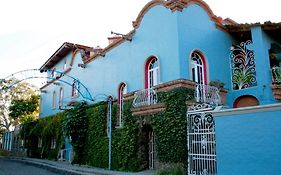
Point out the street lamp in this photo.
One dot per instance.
(110, 100)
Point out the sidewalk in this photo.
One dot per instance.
(68, 169)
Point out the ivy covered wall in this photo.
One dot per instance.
(87, 126)
(47, 130)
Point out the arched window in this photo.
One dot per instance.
(245, 100)
(61, 98)
(54, 100)
(198, 68)
(121, 91)
(64, 65)
(75, 87)
(53, 74)
(152, 72)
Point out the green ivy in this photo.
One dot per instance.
(97, 149)
(87, 126)
(76, 125)
(124, 140)
(170, 126)
(47, 129)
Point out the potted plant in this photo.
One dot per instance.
(222, 92)
(217, 83)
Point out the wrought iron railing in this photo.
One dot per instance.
(276, 75)
(207, 94)
(145, 97)
(65, 154)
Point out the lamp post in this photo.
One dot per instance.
(109, 131)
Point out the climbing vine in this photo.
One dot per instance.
(46, 130)
(75, 125)
(124, 140)
(87, 126)
(170, 126)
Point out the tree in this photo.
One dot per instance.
(8, 93)
(24, 109)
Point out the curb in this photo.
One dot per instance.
(51, 168)
(68, 169)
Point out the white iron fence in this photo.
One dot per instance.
(207, 94)
(145, 97)
(201, 144)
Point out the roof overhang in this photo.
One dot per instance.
(272, 29)
(60, 54)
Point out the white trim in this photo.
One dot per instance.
(155, 73)
(54, 99)
(204, 59)
(247, 110)
(159, 70)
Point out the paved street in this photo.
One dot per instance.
(10, 167)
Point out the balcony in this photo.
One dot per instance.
(276, 82)
(145, 103)
(276, 75)
(207, 94)
(145, 97)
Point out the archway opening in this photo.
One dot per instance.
(245, 101)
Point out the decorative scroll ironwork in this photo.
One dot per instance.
(207, 94)
(145, 97)
(201, 144)
(200, 107)
(243, 66)
(276, 75)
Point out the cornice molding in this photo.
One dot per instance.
(247, 110)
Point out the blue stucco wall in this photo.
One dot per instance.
(249, 143)
(170, 36)
(198, 32)
(263, 92)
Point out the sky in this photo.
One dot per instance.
(32, 30)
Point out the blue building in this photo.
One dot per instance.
(233, 69)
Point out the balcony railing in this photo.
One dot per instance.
(145, 97)
(276, 75)
(207, 94)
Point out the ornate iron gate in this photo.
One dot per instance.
(201, 143)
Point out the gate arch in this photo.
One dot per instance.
(45, 74)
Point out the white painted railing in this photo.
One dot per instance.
(207, 94)
(145, 97)
(65, 154)
(276, 75)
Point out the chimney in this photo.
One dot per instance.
(97, 49)
(113, 39)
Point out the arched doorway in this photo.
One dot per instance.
(147, 147)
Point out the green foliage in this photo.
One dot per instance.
(174, 169)
(97, 141)
(20, 91)
(46, 129)
(124, 140)
(76, 125)
(24, 108)
(87, 126)
(217, 83)
(170, 126)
